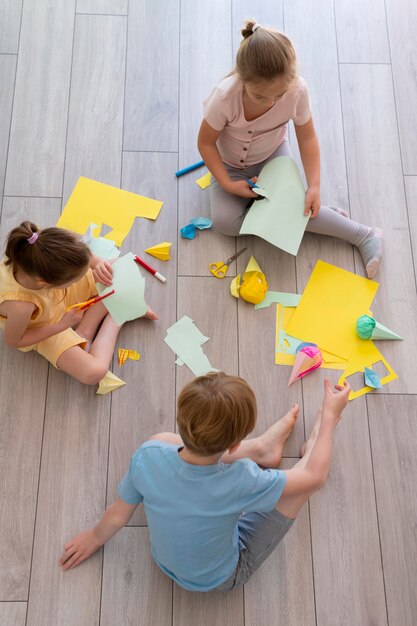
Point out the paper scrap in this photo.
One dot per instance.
(366, 355)
(188, 232)
(185, 339)
(110, 382)
(204, 181)
(92, 201)
(202, 223)
(126, 353)
(279, 218)
(372, 379)
(287, 299)
(160, 251)
(128, 302)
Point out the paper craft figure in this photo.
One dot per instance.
(202, 223)
(188, 232)
(204, 181)
(128, 302)
(160, 251)
(125, 353)
(253, 286)
(306, 360)
(372, 379)
(279, 218)
(367, 327)
(185, 339)
(92, 201)
(103, 248)
(109, 383)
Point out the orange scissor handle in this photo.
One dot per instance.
(218, 269)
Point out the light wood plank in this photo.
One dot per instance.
(151, 108)
(96, 104)
(10, 15)
(211, 609)
(377, 198)
(281, 591)
(411, 196)
(13, 613)
(135, 591)
(203, 64)
(39, 123)
(147, 404)
(362, 31)
(104, 7)
(393, 427)
(71, 499)
(21, 430)
(7, 77)
(402, 25)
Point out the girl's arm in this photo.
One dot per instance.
(16, 331)
(310, 156)
(207, 138)
(88, 542)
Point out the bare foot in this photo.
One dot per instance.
(150, 315)
(272, 442)
(306, 447)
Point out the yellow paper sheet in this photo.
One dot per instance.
(92, 201)
(329, 307)
(366, 355)
(204, 181)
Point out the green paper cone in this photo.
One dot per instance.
(382, 332)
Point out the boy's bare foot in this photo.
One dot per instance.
(272, 442)
(150, 315)
(307, 446)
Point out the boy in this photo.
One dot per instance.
(195, 486)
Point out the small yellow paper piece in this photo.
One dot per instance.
(109, 383)
(204, 181)
(253, 286)
(126, 353)
(160, 251)
(92, 201)
(366, 355)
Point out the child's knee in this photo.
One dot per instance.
(227, 226)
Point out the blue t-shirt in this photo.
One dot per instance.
(192, 510)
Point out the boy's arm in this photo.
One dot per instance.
(84, 545)
(310, 156)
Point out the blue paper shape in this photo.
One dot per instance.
(202, 222)
(372, 379)
(188, 232)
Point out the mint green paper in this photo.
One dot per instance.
(185, 339)
(279, 218)
(103, 248)
(286, 299)
(128, 301)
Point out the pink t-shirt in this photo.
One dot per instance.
(241, 143)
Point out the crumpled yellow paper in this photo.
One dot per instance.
(253, 286)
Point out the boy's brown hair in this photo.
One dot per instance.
(215, 412)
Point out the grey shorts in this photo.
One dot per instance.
(259, 535)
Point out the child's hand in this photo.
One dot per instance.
(103, 273)
(312, 202)
(241, 188)
(335, 398)
(78, 549)
(71, 318)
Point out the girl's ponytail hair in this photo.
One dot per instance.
(55, 255)
(265, 54)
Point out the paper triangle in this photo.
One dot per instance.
(160, 251)
(253, 266)
(110, 382)
(304, 364)
(372, 379)
(382, 332)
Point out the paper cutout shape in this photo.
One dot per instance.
(279, 219)
(126, 353)
(372, 379)
(185, 339)
(253, 285)
(367, 327)
(128, 302)
(160, 251)
(109, 383)
(202, 223)
(188, 232)
(287, 299)
(103, 248)
(204, 181)
(366, 355)
(306, 360)
(260, 191)
(92, 201)
(329, 308)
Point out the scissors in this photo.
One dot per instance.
(219, 269)
(87, 303)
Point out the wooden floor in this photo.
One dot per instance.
(112, 90)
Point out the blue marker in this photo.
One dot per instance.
(190, 168)
(251, 183)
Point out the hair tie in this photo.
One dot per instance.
(255, 27)
(32, 238)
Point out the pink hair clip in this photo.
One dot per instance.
(32, 238)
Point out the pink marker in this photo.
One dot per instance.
(150, 269)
